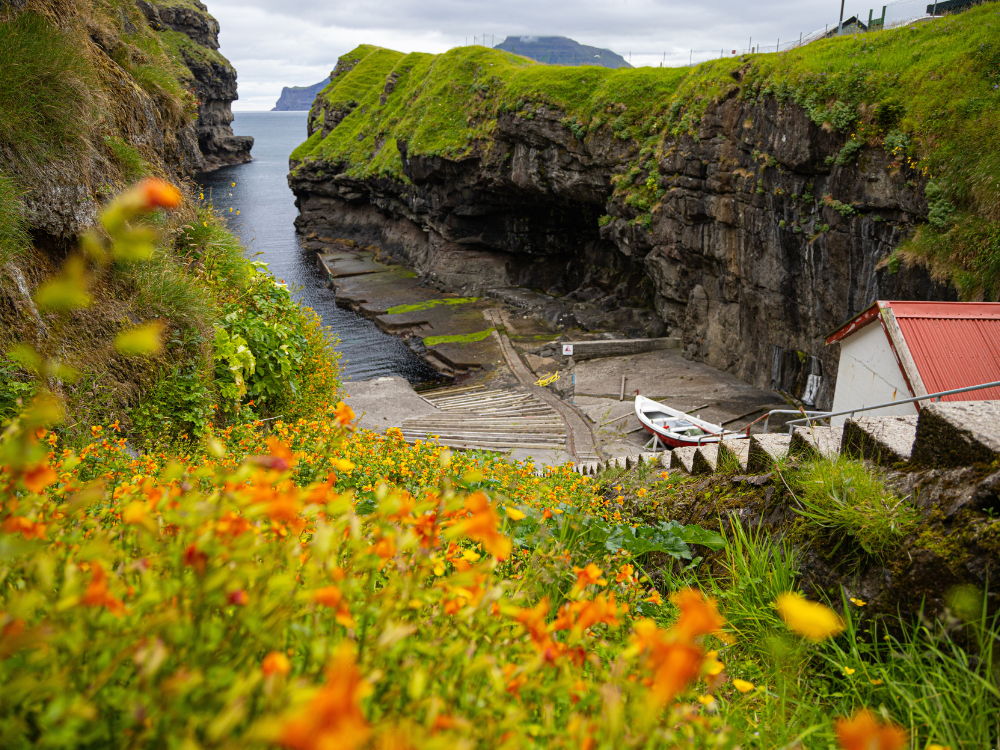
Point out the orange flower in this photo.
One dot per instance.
(590, 575)
(333, 597)
(238, 597)
(482, 526)
(24, 526)
(385, 547)
(674, 664)
(279, 458)
(275, 663)
(625, 574)
(699, 615)
(533, 620)
(231, 524)
(864, 732)
(654, 598)
(38, 477)
(344, 414)
(157, 193)
(332, 718)
(97, 594)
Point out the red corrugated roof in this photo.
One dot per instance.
(953, 344)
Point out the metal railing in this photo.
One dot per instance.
(816, 415)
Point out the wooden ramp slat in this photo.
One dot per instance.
(474, 417)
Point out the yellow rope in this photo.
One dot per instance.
(548, 379)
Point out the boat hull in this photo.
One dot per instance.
(647, 409)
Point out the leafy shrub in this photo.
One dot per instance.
(897, 142)
(179, 406)
(940, 210)
(842, 495)
(842, 116)
(849, 153)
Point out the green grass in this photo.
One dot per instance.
(939, 680)
(14, 237)
(842, 496)
(399, 309)
(127, 157)
(462, 338)
(924, 93)
(47, 107)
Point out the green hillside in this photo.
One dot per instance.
(928, 94)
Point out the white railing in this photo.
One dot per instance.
(809, 416)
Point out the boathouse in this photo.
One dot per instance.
(898, 350)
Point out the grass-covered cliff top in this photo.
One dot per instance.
(929, 90)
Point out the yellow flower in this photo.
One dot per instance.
(706, 700)
(857, 602)
(642, 492)
(514, 514)
(742, 685)
(848, 671)
(935, 746)
(134, 513)
(810, 619)
(876, 682)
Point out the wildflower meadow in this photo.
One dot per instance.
(307, 585)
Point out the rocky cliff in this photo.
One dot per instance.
(193, 36)
(748, 205)
(298, 98)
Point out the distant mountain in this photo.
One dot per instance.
(560, 50)
(298, 98)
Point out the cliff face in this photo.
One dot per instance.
(737, 259)
(193, 35)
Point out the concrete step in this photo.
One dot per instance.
(737, 451)
(766, 450)
(884, 440)
(683, 458)
(706, 459)
(817, 441)
(958, 433)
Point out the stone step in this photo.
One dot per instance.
(737, 451)
(766, 450)
(884, 440)
(817, 441)
(706, 459)
(683, 458)
(958, 433)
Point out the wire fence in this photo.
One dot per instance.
(893, 14)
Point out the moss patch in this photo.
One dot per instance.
(428, 304)
(463, 338)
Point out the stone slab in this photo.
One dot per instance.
(766, 450)
(683, 458)
(884, 440)
(706, 459)
(341, 266)
(958, 433)
(385, 402)
(818, 441)
(735, 451)
(583, 350)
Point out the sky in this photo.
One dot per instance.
(276, 43)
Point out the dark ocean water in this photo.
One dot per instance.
(266, 212)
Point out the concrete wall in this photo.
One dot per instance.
(869, 374)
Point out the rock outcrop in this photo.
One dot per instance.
(298, 98)
(758, 248)
(208, 74)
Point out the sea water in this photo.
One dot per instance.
(264, 223)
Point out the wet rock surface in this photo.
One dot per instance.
(758, 249)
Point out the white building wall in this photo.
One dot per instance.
(869, 374)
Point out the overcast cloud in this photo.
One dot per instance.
(276, 43)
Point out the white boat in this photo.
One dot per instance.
(675, 428)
